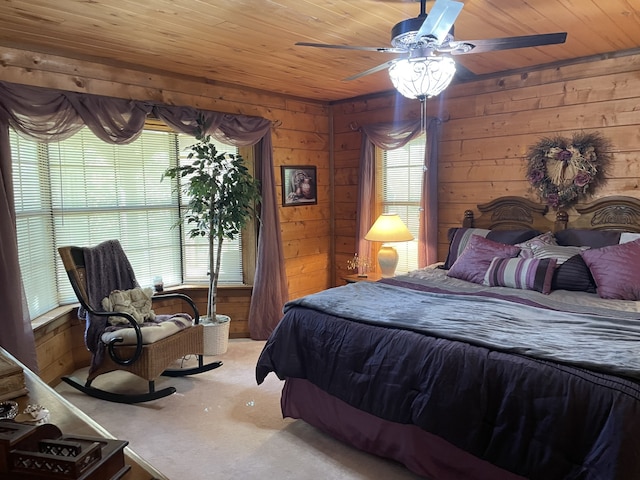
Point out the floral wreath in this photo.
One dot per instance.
(562, 170)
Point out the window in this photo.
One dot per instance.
(399, 190)
(83, 191)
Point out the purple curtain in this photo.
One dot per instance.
(52, 115)
(390, 136)
(267, 302)
(16, 335)
(428, 237)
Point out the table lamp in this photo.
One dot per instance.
(388, 228)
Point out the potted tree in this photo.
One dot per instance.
(222, 197)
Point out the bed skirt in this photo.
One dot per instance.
(421, 452)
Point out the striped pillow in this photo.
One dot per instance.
(573, 275)
(458, 240)
(523, 273)
(561, 254)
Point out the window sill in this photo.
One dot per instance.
(51, 316)
(202, 286)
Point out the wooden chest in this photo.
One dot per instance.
(12, 382)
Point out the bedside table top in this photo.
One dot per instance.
(371, 277)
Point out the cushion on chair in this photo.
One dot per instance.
(152, 331)
(136, 302)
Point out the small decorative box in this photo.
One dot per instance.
(42, 452)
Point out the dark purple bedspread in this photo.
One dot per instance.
(535, 418)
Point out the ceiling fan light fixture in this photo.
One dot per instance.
(428, 43)
(422, 77)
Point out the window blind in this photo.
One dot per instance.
(401, 190)
(102, 191)
(34, 224)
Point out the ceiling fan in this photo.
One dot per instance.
(427, 45)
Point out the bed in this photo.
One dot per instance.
(503, 363)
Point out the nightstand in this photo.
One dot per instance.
(371, 277)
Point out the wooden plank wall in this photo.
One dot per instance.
(60, 346)
(492, 124)
(489, 126)
(300, 137)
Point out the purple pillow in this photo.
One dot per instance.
(573, 275)
(522, 273)
(458, 240)
(459, 237)
(511, 237)
(582, 237)
(615, 270)
(473, 263)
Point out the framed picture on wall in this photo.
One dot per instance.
(298, 185)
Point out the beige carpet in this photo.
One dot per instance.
(221, 425)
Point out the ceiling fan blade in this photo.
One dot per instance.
(349, 47)
(507, 43)
(382, 66)
(439, 20)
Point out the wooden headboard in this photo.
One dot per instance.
(619, 213)
(609, 213)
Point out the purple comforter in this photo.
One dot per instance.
(536, 418)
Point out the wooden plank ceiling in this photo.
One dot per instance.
(251, 42)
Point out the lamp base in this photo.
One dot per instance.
(388, 261)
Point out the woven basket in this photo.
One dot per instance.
(216, 335)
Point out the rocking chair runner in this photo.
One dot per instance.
(94, 273)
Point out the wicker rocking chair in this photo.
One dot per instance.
(91, 273)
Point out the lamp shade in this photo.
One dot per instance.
(389, 228)
(422, 77)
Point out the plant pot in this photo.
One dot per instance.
(216, 334)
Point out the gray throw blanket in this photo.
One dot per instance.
(107, 269)
(601, 342)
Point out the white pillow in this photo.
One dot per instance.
(626, 237)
